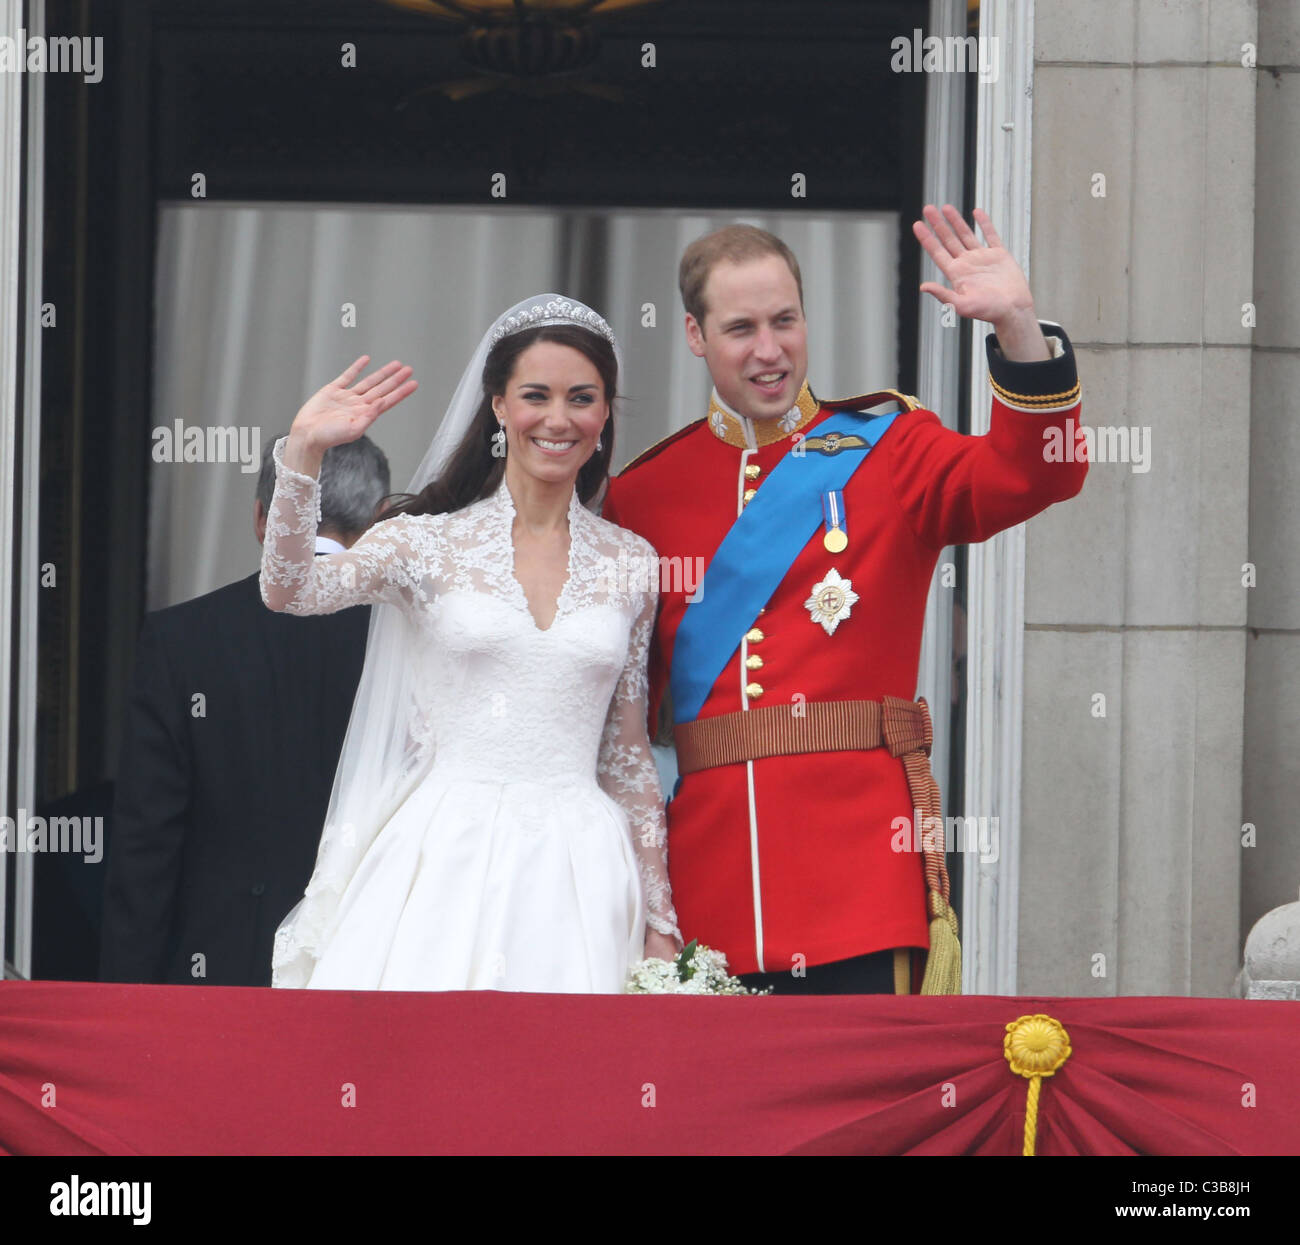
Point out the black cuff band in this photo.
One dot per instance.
(1048, 384)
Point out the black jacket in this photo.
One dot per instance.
(233, 729)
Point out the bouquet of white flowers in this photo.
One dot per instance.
(695, 969)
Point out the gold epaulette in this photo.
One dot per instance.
(865, 401)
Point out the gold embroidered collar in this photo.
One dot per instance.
(748, 434)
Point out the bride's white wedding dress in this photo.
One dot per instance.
(532, 853)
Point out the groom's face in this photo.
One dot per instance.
(754, 337)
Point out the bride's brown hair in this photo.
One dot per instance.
(473, 471)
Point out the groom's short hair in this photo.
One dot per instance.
(736, 244)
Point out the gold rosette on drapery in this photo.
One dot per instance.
(1035, 1047)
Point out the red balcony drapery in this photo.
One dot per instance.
(117, 1069)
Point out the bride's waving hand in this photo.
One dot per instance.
(391, 561)
(342, 411)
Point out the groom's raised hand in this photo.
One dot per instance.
(987, 283)
(343, 409)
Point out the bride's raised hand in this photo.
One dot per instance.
(343, 409)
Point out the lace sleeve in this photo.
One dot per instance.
(388, 563)
(628, 774)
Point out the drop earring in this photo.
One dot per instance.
(499, 441)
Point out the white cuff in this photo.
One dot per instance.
(281, 471)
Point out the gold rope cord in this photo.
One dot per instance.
(1035, 1047)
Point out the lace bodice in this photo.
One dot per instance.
(495, 696)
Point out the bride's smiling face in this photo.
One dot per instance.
(553, 411)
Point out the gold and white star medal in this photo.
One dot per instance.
(831, 601)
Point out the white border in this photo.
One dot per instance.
(29, 543)
(11, 131)
(20, 479)
(996, 595)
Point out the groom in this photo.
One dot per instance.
(791, 672)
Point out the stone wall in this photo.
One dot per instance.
(1132, 810)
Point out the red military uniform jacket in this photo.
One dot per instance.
(790, 856)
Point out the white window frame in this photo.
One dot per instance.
(996, 569)
(995, 613)
(20, 195)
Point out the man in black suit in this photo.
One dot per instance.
(233, 730)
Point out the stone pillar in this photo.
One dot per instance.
(1143, 242)
(1271, 868)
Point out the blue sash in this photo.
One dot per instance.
(756, 553)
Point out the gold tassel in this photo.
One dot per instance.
(943, 963)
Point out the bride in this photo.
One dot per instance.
(496, 820)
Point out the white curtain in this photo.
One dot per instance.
(250, 321)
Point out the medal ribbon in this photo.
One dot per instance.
(833, 514)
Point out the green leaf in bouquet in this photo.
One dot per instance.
(685, 960)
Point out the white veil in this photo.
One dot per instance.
(388, 749)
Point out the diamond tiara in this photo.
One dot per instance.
(556, 311)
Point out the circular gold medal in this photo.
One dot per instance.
(835, 541)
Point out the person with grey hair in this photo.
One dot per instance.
(207, 846)
(354, 481)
